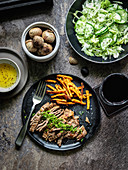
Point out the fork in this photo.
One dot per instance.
(37, 98)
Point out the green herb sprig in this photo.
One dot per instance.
(58, 123)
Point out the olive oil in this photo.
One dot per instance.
(8, 75)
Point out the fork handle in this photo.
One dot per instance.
(22, 133)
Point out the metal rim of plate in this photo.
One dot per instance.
(6, 52)
(94, 115)
(74, 39)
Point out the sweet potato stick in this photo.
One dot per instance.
(80, 87)
(88, 100)
(78, 101)
(56, 99)
(64, 76)
(66, 92)
(61, 81)
(82, 91)
(65, 103)
(85, 95)
(75, 91)
(56, 92)
(58, 95)
(67, 97)
(72, 85)
(51, 87)
(58, 87)
(67, 81)
(50, 81)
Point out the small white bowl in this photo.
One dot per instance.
(12, 63)
(33, 56)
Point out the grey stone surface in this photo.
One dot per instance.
(107, 150)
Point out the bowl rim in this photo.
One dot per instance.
(93, 61)
(15, 65)
(45, 25)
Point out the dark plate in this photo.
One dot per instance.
(93, 114)
(77, 5)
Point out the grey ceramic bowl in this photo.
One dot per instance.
(35, 57)
(12, 63)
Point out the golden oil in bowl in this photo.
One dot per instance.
(9, 75)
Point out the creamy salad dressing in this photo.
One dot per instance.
(8, 75)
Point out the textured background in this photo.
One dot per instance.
(107, 150)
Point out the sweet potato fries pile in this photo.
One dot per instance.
(64, 91)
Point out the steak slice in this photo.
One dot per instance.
(59, 142)
(37, 117)
(82, 134)
(41, 126)
(67, 113)
(52, 138)
(55, 108)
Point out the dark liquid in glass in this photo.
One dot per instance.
(115, 89)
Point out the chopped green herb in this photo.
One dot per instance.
(24, 111)
(25, 117)
(33, 114)
(79, 131)
(58, 123)
(75, 129)
(81, 113)
(82, 140)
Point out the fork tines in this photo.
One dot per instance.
(41, 89)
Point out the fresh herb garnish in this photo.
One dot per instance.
(58, 123)
(82, 140)
(33, 114)
(81, 112)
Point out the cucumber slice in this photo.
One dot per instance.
(88, 31)
(113, 28)
(122, 27)
(101, 17)
(106, 35)
(119, 7)
(115, 37)
(79, 27)
(124, 16)
(106, 42)
(116, 17)
(98, 26)
(112, 7)
(101, 31)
